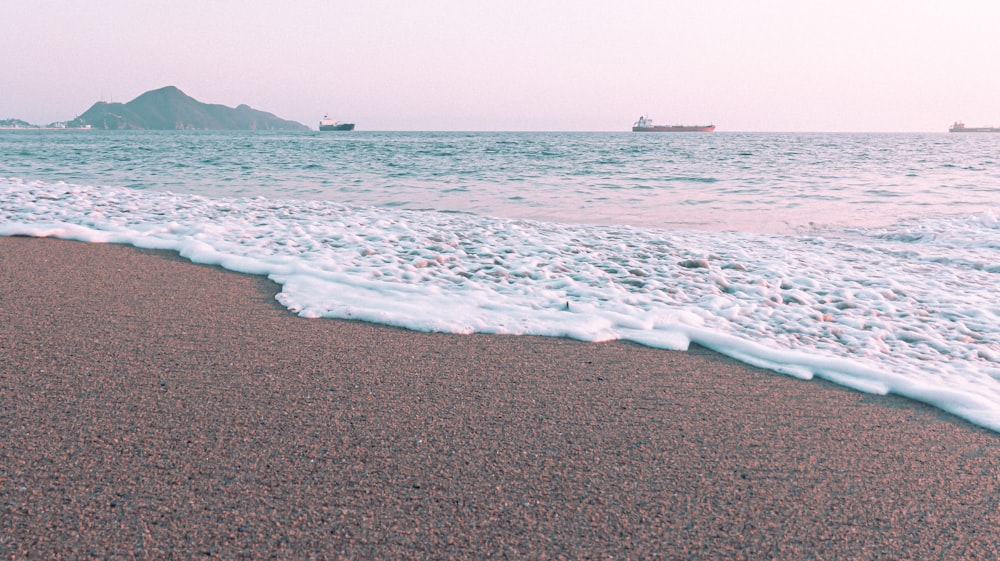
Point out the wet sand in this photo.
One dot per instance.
(151, 408)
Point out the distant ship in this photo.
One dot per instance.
(646, 125)
(328, 124)
(960, 127)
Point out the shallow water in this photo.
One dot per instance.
(869, 260)
(752, 182)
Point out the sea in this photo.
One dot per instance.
(870, 260)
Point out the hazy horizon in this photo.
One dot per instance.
(850, 66)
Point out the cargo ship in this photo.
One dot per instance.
(328, 124)
(645, 124)
(960, 127)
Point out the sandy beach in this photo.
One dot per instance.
(151, 408)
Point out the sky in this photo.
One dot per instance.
(522, 65)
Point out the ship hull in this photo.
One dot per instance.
(675, 128)
(337, 127)
(975, 129)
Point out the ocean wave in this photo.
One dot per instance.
(902, 310)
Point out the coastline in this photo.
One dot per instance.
(157, 408)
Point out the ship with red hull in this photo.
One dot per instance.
(645, 124)
(959, 126)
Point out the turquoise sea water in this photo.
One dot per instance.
(747, 181)
(872, 260)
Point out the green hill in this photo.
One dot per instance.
(171, 109)
(16, 124)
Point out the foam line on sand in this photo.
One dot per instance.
(153, 408)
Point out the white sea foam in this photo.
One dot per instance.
(910, 310)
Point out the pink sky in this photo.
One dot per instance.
(780, 65)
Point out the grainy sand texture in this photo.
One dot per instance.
(151, 408)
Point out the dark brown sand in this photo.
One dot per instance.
(155, 409)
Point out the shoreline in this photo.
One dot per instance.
(157, 407)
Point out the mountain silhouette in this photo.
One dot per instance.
(171, 109)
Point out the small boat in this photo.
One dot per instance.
(328, 124)
(959, 126)
(645, 124)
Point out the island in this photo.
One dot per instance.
(169, 108)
